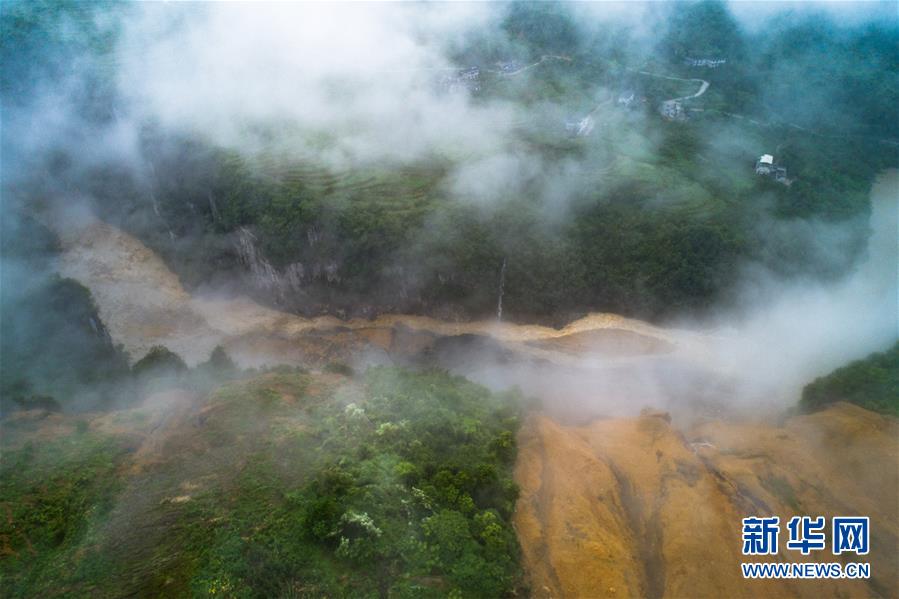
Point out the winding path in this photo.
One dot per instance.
(703, 84)
(543, 59)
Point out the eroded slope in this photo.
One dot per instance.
(635, 507)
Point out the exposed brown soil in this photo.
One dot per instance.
(606, 342)
(636, 508)
(623, 507)
(144, 304)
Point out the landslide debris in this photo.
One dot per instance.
(634, 507)
(144, 304)
(613, 507)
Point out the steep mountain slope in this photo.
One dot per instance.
(636, 507)
(143, 303)
(287, 484)
(609, 506)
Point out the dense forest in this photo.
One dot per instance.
(646, 216)
(534, 165)
(392, 484)
(872, 383)
(64, 350)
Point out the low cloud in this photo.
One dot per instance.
(348, 84)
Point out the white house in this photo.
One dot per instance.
(627, 98)
(673, 110)
(765, 166)
(711, 63)
(579, 127)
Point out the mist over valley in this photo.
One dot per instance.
(444, 299)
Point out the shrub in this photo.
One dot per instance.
(339, 368)
(157, 363)
(872, 383)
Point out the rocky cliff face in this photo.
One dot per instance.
(143, 303)
(289, 282)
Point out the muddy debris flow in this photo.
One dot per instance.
(634, 470)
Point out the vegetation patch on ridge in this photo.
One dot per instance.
(872, 383)
(289, 484)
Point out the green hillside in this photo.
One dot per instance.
(288, 484)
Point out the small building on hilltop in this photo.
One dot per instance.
(576, 127)
(708, 63)
(673, 110)
(465, 80)
(765, 166)
(470, 74)
(627, 98)
(630, 95)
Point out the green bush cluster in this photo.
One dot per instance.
(412, 496)
(159, 361)
(54, 344)
(872, 383)
(55, 494)
(393, 484)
